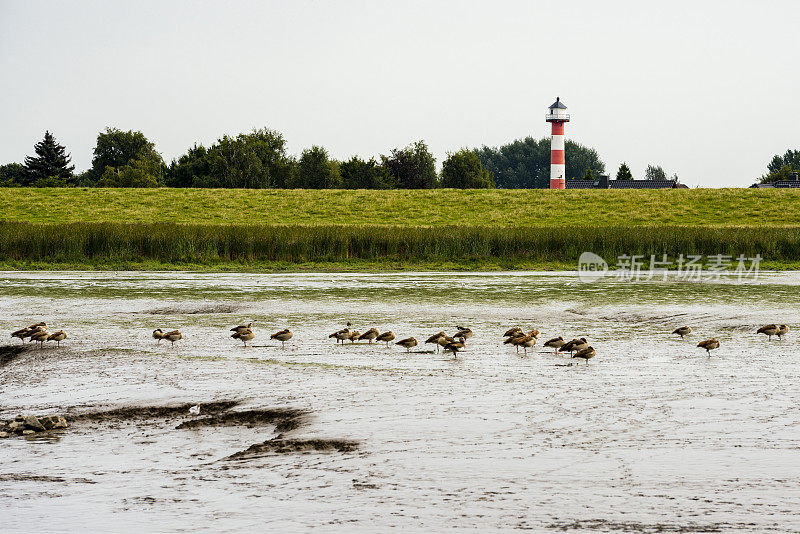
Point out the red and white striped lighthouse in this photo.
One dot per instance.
(557, 117)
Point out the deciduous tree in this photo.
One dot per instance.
(525, 163)
(412, 167)
(464, 170)
(655, 172)
(359, 174)
(316, 171)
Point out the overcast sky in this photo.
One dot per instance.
(709, 90)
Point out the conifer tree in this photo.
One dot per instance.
(624, 172)
(51, 160)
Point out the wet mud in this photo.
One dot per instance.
(11, 353)
(651, 435)
(283, 419)
(281, 445)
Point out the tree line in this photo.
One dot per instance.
(781, 166)
(259, 159)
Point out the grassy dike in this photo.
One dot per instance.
(270, 230)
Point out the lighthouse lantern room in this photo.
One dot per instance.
(557, 117)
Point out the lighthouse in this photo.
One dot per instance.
(557, 117)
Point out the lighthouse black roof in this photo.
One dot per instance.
(558, 104)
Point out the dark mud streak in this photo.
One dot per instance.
(288, 446)
(21, 477)
(209, 309)
(150, 412)
(604, 525)
(9, 353)
(284, 419)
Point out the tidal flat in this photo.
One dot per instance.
(652, 435)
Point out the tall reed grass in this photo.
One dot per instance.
(177, 243)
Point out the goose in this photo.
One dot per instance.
(158, 335)
(386, 336)
(33, 331)
(585, 354)
(283, 336)
(525, 342)
(454, 347)
(369, 335)
(21, 333)
(567, 347)
(435, 340)
(464, 333)
(41, 325)
(782, 330)
(580, 345)
(709, 345)
(173, 336)
(515, 339)
(683, 331)
(445, 340)
(770, 330)
(574, 346)
(40, 337)
(512, 331)
(241, 327)
(354, 335)
(555, 343)
(58, 337)
(341, 335)
(194, 410)
(407, 343)
(244, 336)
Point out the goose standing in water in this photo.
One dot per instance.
(369, 335)
(445, 340)
(770, 330)
(454, 347)
(513, 331)
(244, 336)
(354, 335)
(512, 340)
(283, 336)
(387, 337)
(709, 345)
(683, 331)
(242, 328)
(525, 342)
(407, 343)
(173, 336)
(435, 340)
(574, 346)
(58, 337)
(463, 333)
(158, 335)
(585, 354)
(782, 330)
(21, 334)
(341, 335)
(555, 343)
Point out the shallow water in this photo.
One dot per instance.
(651, 436)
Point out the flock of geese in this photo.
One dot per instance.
(38, 333)
(577, 348)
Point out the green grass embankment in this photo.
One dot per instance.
(278, 230)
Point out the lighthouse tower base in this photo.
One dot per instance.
(557, 183)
